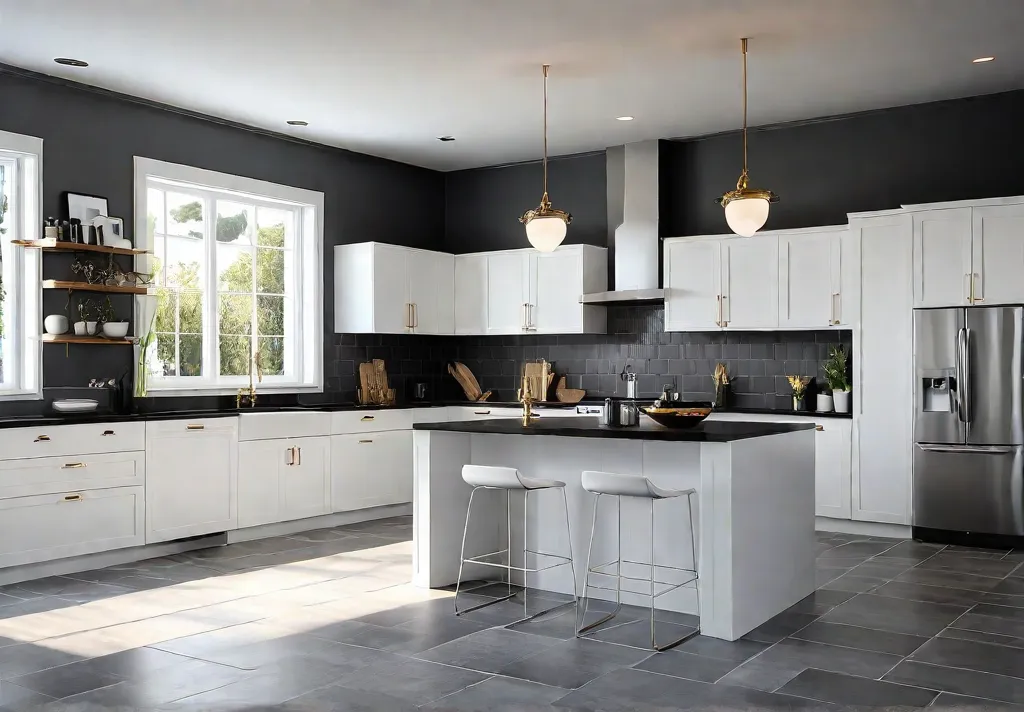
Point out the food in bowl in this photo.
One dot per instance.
(679, 415)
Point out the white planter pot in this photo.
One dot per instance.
(90, 328)
(824, 404)
(841, 399)
(56, 324)
(80, 328)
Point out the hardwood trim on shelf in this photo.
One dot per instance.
(86, 287)
(50, 244)
(72, 339)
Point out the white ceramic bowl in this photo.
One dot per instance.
(56, 324)
(75, 405)
(115, 329)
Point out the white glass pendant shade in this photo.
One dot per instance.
(546, 233)
(746, 215)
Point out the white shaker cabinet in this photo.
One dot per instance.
(431, 291)
(811, 290)
(508, 292)
(832, 494)
(942, 257)
(371, 469)
(557, 281)
(997, 254)
(693, 284)
(283, 479)
(471, 288)
(191, 478)
(750, 282)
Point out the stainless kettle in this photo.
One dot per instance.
(629, 413)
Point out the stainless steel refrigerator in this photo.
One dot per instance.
(969, 420)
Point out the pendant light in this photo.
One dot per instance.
(746, 209)
(545, 226)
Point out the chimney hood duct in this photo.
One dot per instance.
(632, 172)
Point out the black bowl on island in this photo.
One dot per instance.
(678, 414)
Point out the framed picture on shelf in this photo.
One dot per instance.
(84, 207)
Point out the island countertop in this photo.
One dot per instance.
(709, 431)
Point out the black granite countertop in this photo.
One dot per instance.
(708, 431)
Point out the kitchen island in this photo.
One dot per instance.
(754, 509)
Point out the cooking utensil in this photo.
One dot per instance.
(629, 377)
(568, 395)
(461, 373)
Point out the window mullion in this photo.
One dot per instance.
(211, 321)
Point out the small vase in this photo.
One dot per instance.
(79, 328)
(841, 400)
(824, 403)
(799, 403)
(90, 328)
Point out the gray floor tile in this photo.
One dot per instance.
(913, 550)
(416, 681)
(964, 564)
(822, 575)
(340, 699)
(929, 594)
(975, 550)
(499, 693)
(950, 579)
(1012, 586)
(66, 680)
(407, 638)
(26, 658)
(738, 651)
(637, 634)
(688, 666)
(573, 663)
(998, 599)
(841, 689)
(963, 682)
(887, 569)
(561, 626)
(487, 651)
(820, 602)
(865, 549)
(895, 614)
(854, 584)
(14, 698)
(981, 636)
(34, 605)
(134, 664)
(779, 627)
(948, 700)
(970, 655)
(782, 662)
(849, 636)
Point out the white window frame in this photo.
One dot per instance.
(23, 359)
(308, 298)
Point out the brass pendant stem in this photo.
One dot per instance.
(546, 67)
(743, 46)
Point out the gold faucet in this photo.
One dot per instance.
(527, 399)
(249, 394)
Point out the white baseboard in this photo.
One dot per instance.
(849, 526)
(103, 559)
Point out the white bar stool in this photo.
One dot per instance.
(637, 486)
(508, 479)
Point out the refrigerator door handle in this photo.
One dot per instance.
(967, 392)
(969, 449)
(958, 368)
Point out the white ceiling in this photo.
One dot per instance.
(386, 77)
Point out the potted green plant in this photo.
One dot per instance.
(88, 315)
(799, 386)
(835, 369)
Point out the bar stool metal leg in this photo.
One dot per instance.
(693, 550)
(586, 576)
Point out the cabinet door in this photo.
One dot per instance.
(998, 254)
(832, 469)
(444, 290)
(693, 291)
(304, 482)
(471, 294)
(556, 285)
(809, 274)
(942, 257)
(390, 290)
(258, 464)
(507, 292)
(427, 280)
(750, 282)
(396, 466)
(357, 462)
(883, 395)
(191, 478)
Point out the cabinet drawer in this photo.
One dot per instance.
(64, 440)
(54, 526)
(46, 475)
(161, 428)
(370, 421)
(270, 426)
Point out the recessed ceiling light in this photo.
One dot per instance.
(980, 60)
(623, 118)
(68, 62)
(298, 122)
(445, 139)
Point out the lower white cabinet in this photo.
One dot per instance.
(832, 457)
(191, 478)
(371, 469)
(53, 526)
(283, 479)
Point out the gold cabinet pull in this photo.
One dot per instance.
(195, 426)
(819, 428)
(72, 498)
(363, 442)
(298, 457)
(290, 460)
(73, 466)
(366, 418)
(975, 299)
(42, 439)
(108, 432)
(969, 287)
(718, 313)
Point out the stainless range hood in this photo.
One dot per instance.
(632, 175)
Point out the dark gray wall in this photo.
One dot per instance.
(483, 205)
(91, 136)
(950, 150)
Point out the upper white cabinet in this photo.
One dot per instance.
(693, 285)
(385, 289)
(969, 255)
(539, 292)
(811, 276)
(750, 282)
(471, 286)
(191, 478)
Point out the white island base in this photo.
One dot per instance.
(754, 510)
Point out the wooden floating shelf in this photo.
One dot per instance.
(51, 244)
(86, 287)
(72, 339)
